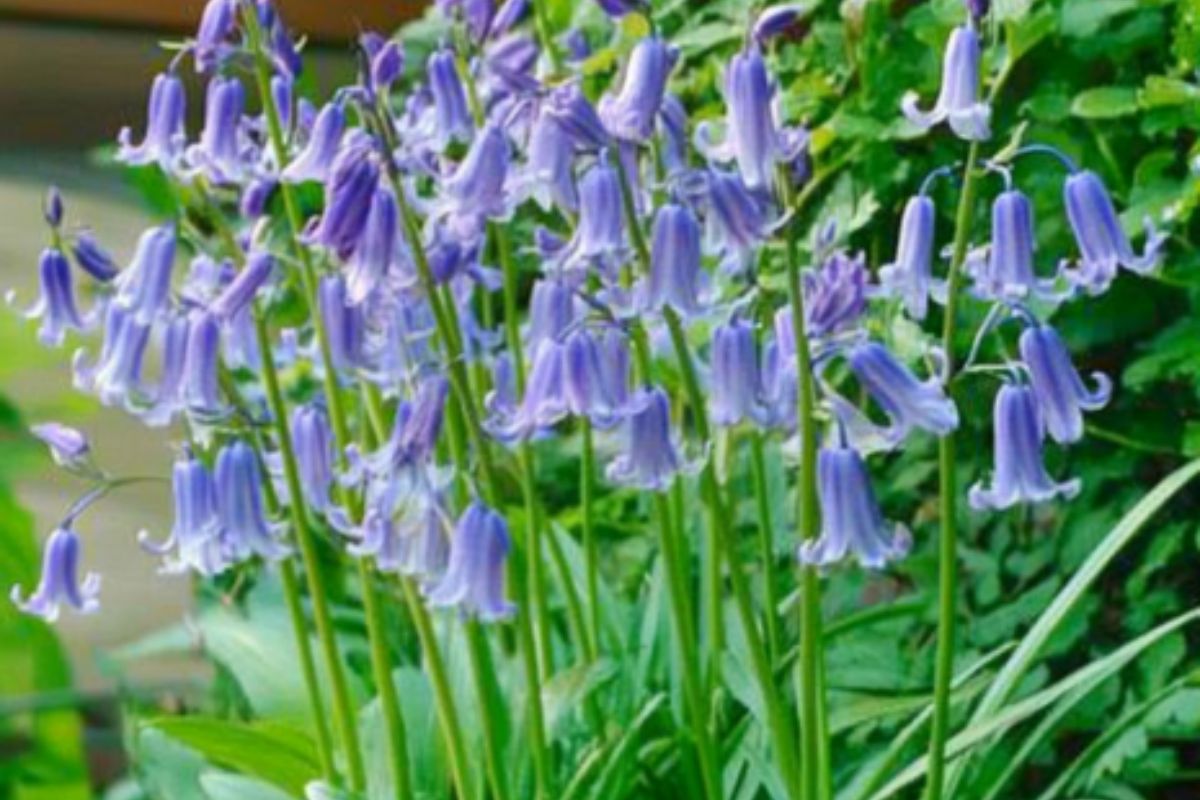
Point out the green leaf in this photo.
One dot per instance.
(1083, 18)
(277, 754)
(1105, 102)
(225, 786)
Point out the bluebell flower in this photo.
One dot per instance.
(587, 383)
(910, 276)
(165, 135)
(978, 9)
(195, 541)
(377, 538)
(201, 382)
(349, 191)
(312, 441)
(508, 65)
(619, 8)
(577, 46)
(676, 278)
(55, 306)
(144, 288)
(1007, 272)
(673, 129)
(344, 324)
(170, 397)
(476, 191)
(908, 403)
(477, 14)
(1103, 245)
(282, 49)
(835, 294)
(60, 581)
(52, 208)
(245, 528)
(544, 402)
(958, 102)
(255, 197)
(116, 377)
(614, 359)
(630, 114)
(452, 116)
(600, 233)
(735, 386)
(549, 174)
(425, 538)
(1020, 475)
(283, 92)
(474, 579)
(568, 105)
(314, 162)
(242, 290)
(416, 429)
(217, 25)
(651, 459)
(750, 118)
(68, 446)
(737, 221)
(221, 152)
(92, 258)
(777, 20)
(851, 522)
(385, 62)
(377, 247)
(1061, 393)
(552, 310)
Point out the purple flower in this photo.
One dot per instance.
(312, 441)
(385, 61)
(587, 382)
(376, 249)
(910, 275)
(508, 15)
(630, 114)
(344, 324)
(851, 522)
(170, 397)
(217, 24)
(476, 13)
(425, 539)
(958, 101)
(619, 8)
(978, 9)
(577, 46)
(240, 293)
(474, 579)
(220, 153)
(1020, 476)
(549, 168)
(545, 401)
(675, 275)
(353, 179)
(59, 581)
(568, 106)
(196, 535)
(144, 288)
(165, 136)
(835, 294)
(737, 220)
(52, 207)
(92, 258)
(116, 376)
(55, 305)
(651, 458)
(614, 358)
(416, 429)
(244, 526)
(736, 388)
(452, 116)
(907, 402)
(1061, 393)
(552, 309)
(1008, 272)
(201, 382)
(316, 159)
(777, 20)
(601, 230)
(1103, 245)
(476, 191)
(752, 134)
(673, 128)
(68, 447)
(255, 197)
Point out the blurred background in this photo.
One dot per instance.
(72, 73)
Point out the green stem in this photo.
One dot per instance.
(291, 594)
(766, 543)
(483, 673)
(811, 651)
(948, 501)
(587, 482)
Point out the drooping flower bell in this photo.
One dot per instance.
(1008, 271)
(736, 388)
(630, 114)
(544, 402)
(835, 294)
(736, 222)
(1103, 245)
(92, 258)
(978, 9)
(312, 441)
(474, 579)
(416, 429)
(376, 249)
(68, 446)
(958, 103)
(201, 380)
(195, 542)
(601, 230)
(568, 106)
(651, 459)
(619, 8)
(244, 524)
(240, 294)
(777, 20)
(344, 324)
(221, 152)
(587, 387)
(316, 159)
(1061, 393)
(549, 167)
(851, 522)
(353, 179)
(170, 396)
(1020, 475)
(60, 582)
(909, 277)
(676, 278)
(116, 377)
(452, 117)
(217, 26)
(750, 119)
(908, 402)
(144, 288)
(55, 306)
(476, 191)
(552, 309)
(165, 135)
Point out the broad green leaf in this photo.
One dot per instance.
(165, 767)
(1105, 102)
(225, 786)
(277, 754)
(1082, 18)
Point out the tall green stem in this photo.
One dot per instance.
(948, 500)
(587, 488)
(766, 542)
